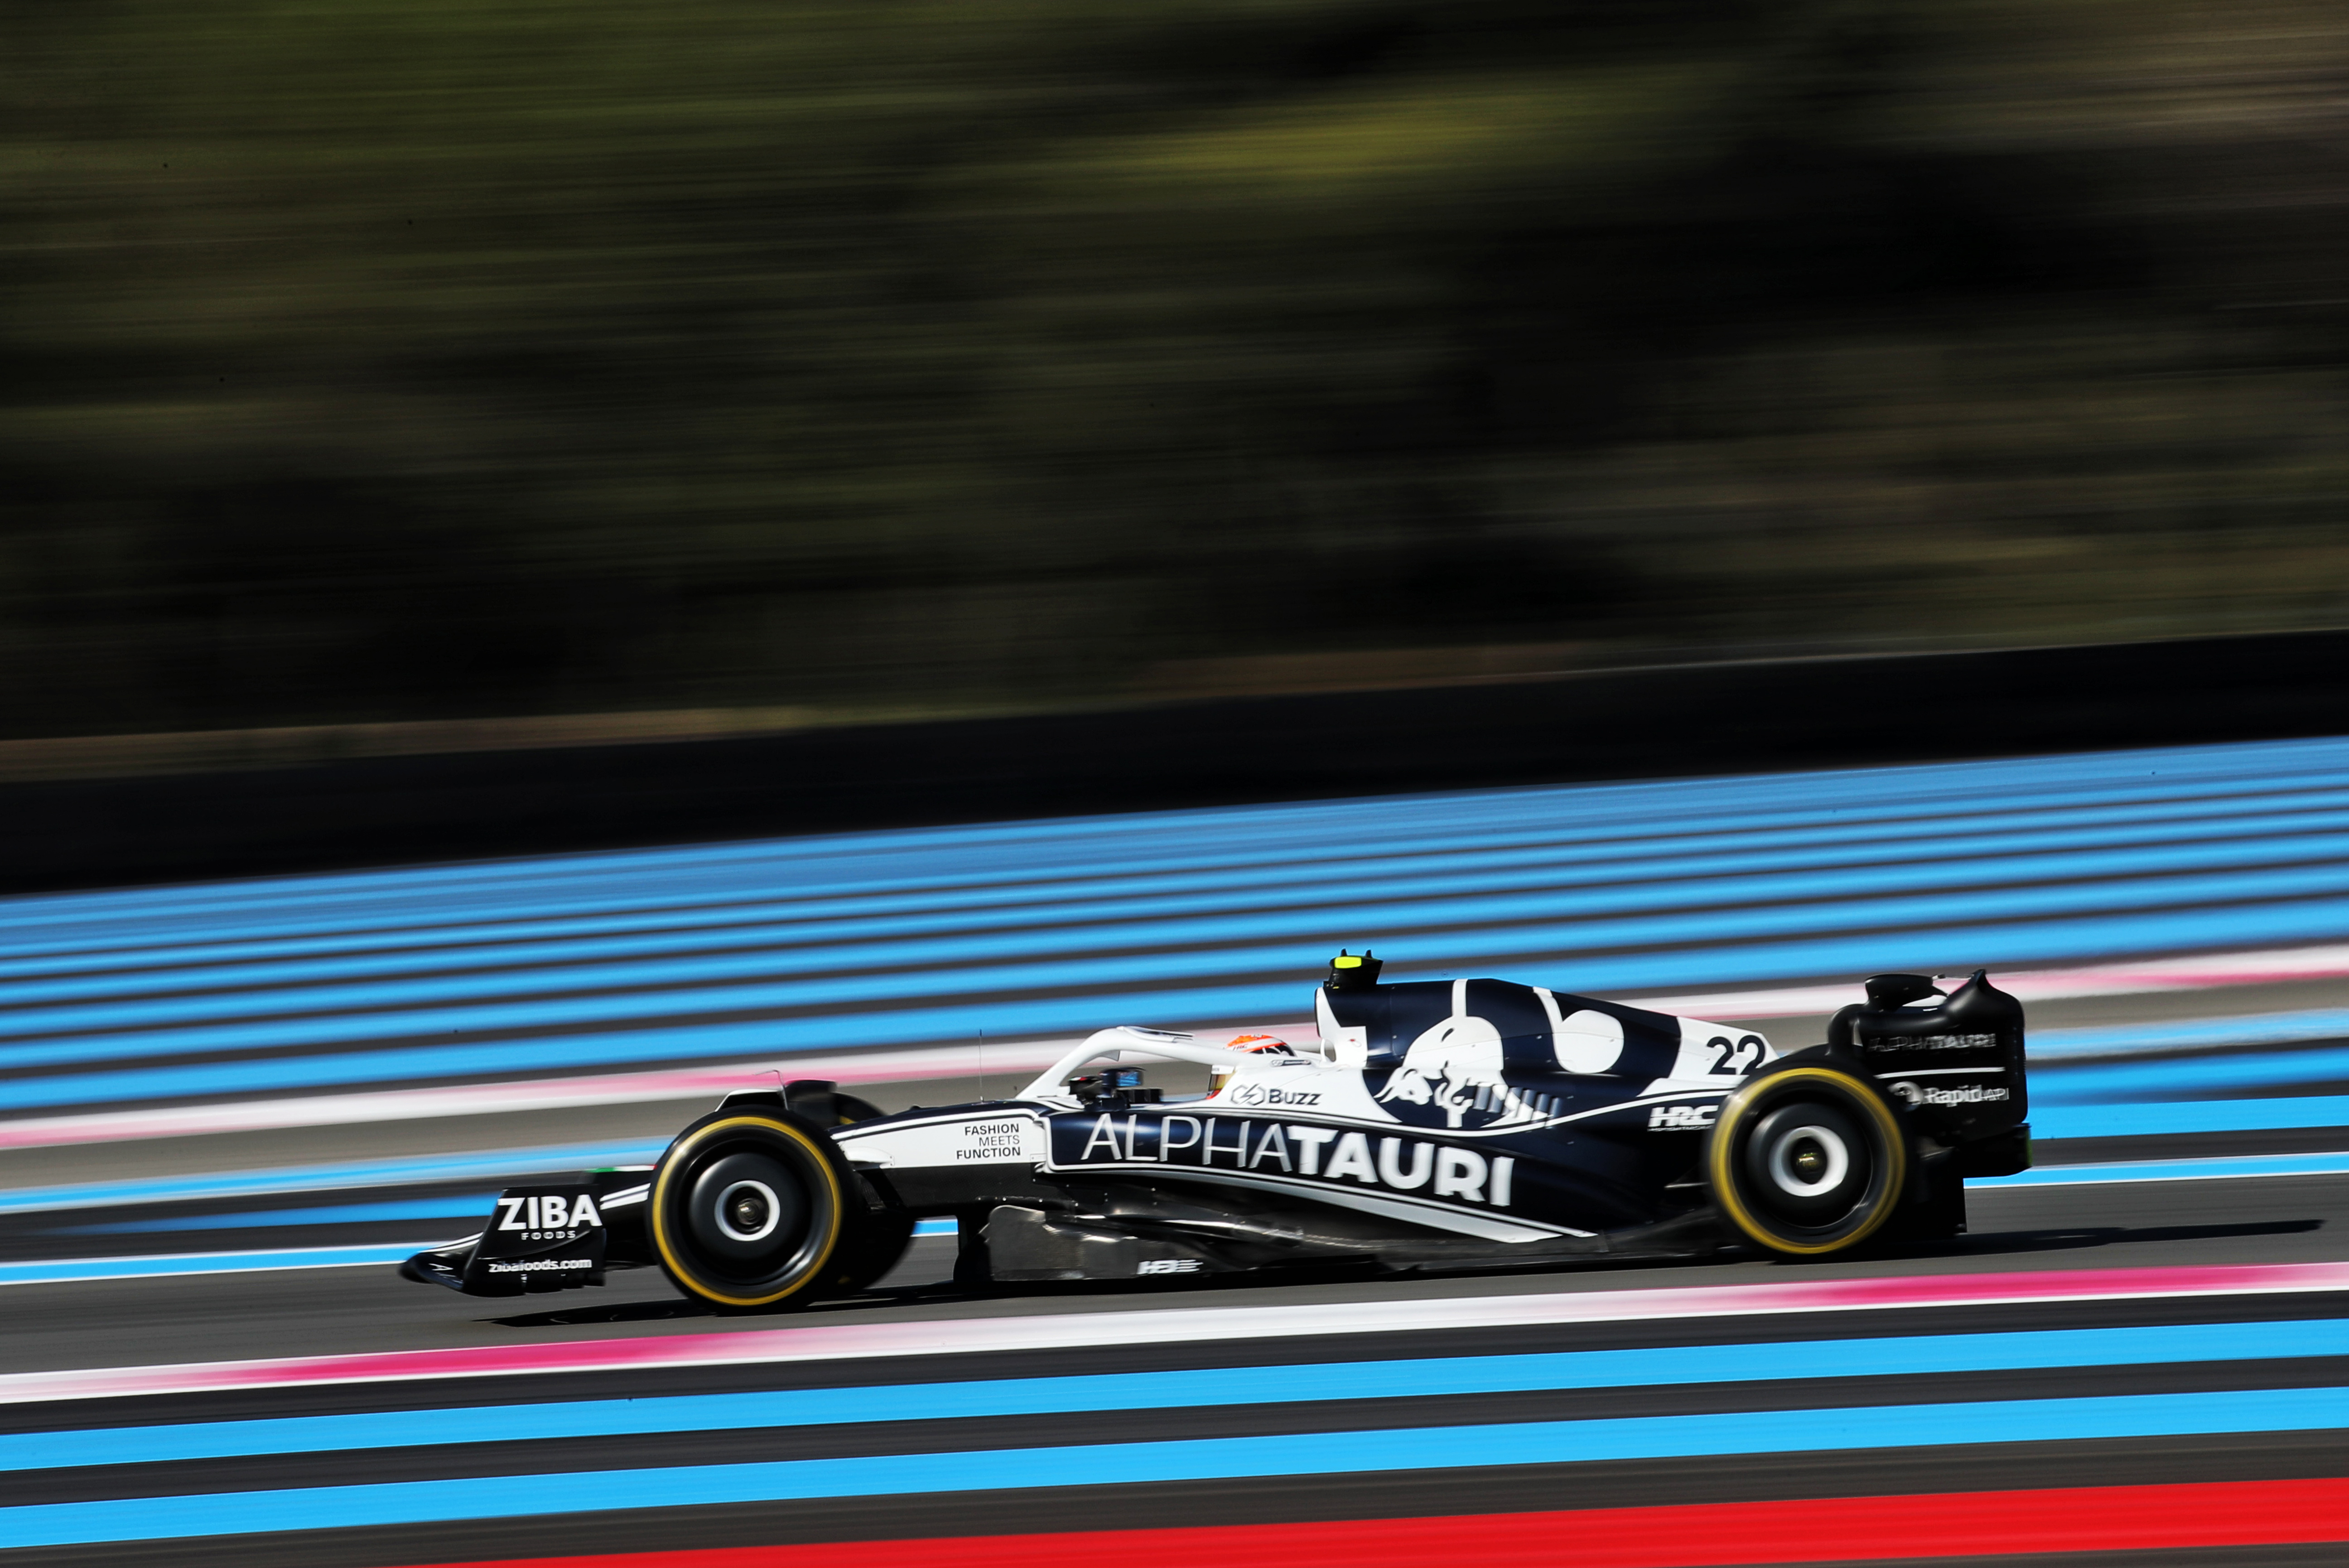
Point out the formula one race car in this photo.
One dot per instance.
(1436, 1125)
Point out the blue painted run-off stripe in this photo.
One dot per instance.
(1187, 916)
(476, 1207)
(2060, 1121)
(1799, 912)
(1279, 834)
(66, 1271)
(509, 1163)
(465, 1205)
(2282, 865)
(2232, 1166)
(1906, 1357)
(2051, 1046)
(586, 895)
(2308, 1111)
(782, 1038)
(69, 1269)
(2290, 899)
(529, 952)
(116, 921)
(1419, 1449)
(2192, 1077)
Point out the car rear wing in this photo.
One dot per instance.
(1954, 1059)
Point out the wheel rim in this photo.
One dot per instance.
(1808, 1161)
(749, 1211)
(1811, 1162)
(745, 1212)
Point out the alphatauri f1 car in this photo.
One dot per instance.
(1436, 1125)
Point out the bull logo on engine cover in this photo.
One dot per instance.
(1455, 1070)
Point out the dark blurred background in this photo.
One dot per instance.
(475, 358)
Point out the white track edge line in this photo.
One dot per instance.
(1145, 1327)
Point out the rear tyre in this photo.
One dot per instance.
(754, 1210)
(1809, 1161)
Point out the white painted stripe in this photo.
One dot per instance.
(2195, 972)
(2206, 971)
(1012, 1059)
(481, 1165)
(528, 1095)
(1069, 1331)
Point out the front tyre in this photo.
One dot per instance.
(753, 1210)
(1808, 1161)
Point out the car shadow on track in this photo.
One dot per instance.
(624, 1312)
(1992, 1243)
(570, 1314)
(1983, 1245)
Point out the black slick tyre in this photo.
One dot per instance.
(1808, 1161)
(754, 1210)
(876, 1246)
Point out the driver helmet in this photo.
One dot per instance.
(1251, 1044)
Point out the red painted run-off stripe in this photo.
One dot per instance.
(1700, 1535)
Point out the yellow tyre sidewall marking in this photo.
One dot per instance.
(1725, 1138)
(703, 1135)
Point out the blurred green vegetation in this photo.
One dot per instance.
(374, 361)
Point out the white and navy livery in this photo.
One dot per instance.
(1456, 1123)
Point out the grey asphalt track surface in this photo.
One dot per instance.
(655, 1120)
(331, 1310)
(306, 1312)
(321, 1311)
(2233, 1219)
